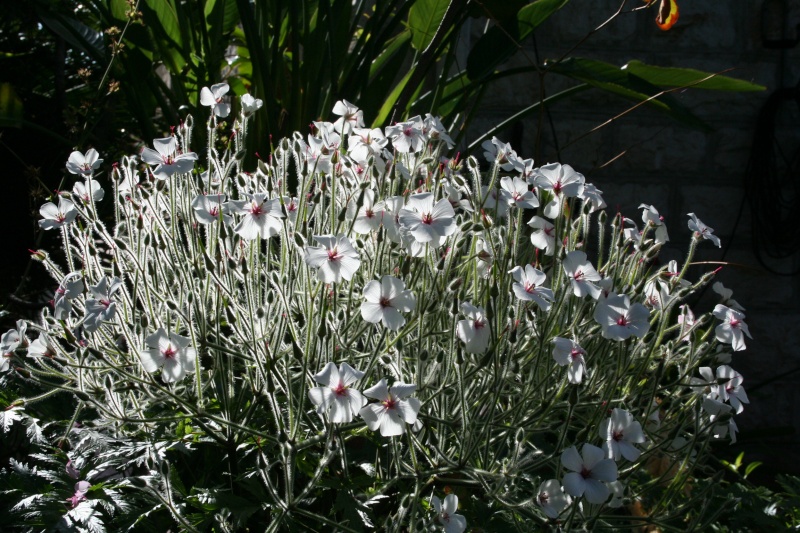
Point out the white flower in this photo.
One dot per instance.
(407, 136)
(392, 408)
(551, 498)
(686, 320)
(385, 300)
(733, 328)
(518, 192)
(620, 320)
(370, 214)
(208, 207)
(528, 286)
(56, 217)
(41, 347)
(390, 218)
(729, 388)
(620, 433)
(474, 331)
(9, 342)
(70, 288)
(543, 236)
(335, 394)
(592, 196)
(365, 142)
(656, 294)
(435, 130)
(83, 191)
(581, 274)
(727, 296)
(349, 117)
(170, 351)
(166, 159)
(84, 165)
(716, 410)
(446, 513)
(650, 216)
(496, 201)
(213, 98)
(426, 221)
(562, 181)
(588, 473)
(496, 151)
(567, 352)
(485, 257)
(335, 259)
(617, 494)
(701, 231)
(250, 105)
(101, 308)
(261, 216)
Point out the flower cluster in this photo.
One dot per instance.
(360, 321)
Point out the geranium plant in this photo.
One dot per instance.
(365, 332)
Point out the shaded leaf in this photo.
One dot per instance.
(424, 19)
(684, 77)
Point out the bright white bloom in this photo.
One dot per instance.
(391, 217)
(650, 216)
(496, 151)
(620, 320)
(702, 231)
(335, 395)
(407, 136)
(446, 513)
(524, 167)
(726, 387)
(567, 352)
(40, 347)
(528, 286)
(617, 494)
(9, 342)
(70, 288)
(166, 159)
(686, 320)
(581, 274)
(385, 300)
(727, 296)
(208, 207)
(214, 97)
(551, 498)
(100, 307)
(84, 165)
(292, 206)
(620, 432)
(474, 331)
(365, 142)
(350, 116)
(171, 353)
(392, 408)
(370, 214)
(261, 216)
(543, 236)
(592, 196)
(562, 181)
(84, 190)
(433, 128)
(56, 217)
(426, 221)
(588, 473)
(250, 105)
(733, 328)
(657, 294)
(335, 259)
(518, 193)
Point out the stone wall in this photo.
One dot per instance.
(681, 170)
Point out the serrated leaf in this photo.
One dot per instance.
(8, 417)
(685, 77)
(424, 19)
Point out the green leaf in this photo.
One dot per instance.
(500, 43)
(685, 77)
(391, 48)
(168, 19)
(387, 106)
(615, 80)
(424, 19)
(222, 13)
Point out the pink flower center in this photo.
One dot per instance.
(389, 403)
(479, 323)
(214, 211)
(622, 320)
(578, 276)
(585, 473)
(61, 217)
(548, 231)
(334, 255)
(735, 323)
(255, 209)
(617, 436)
(385, 302)
(557, 187)
(530, 287)
(168, 159)
(427, 218)
(169, 352)
(544, 498)
(407, 132)
(105, 303)
(369, 213)
(340, 390)
(575, 354)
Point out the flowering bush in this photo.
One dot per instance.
(362, 333)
